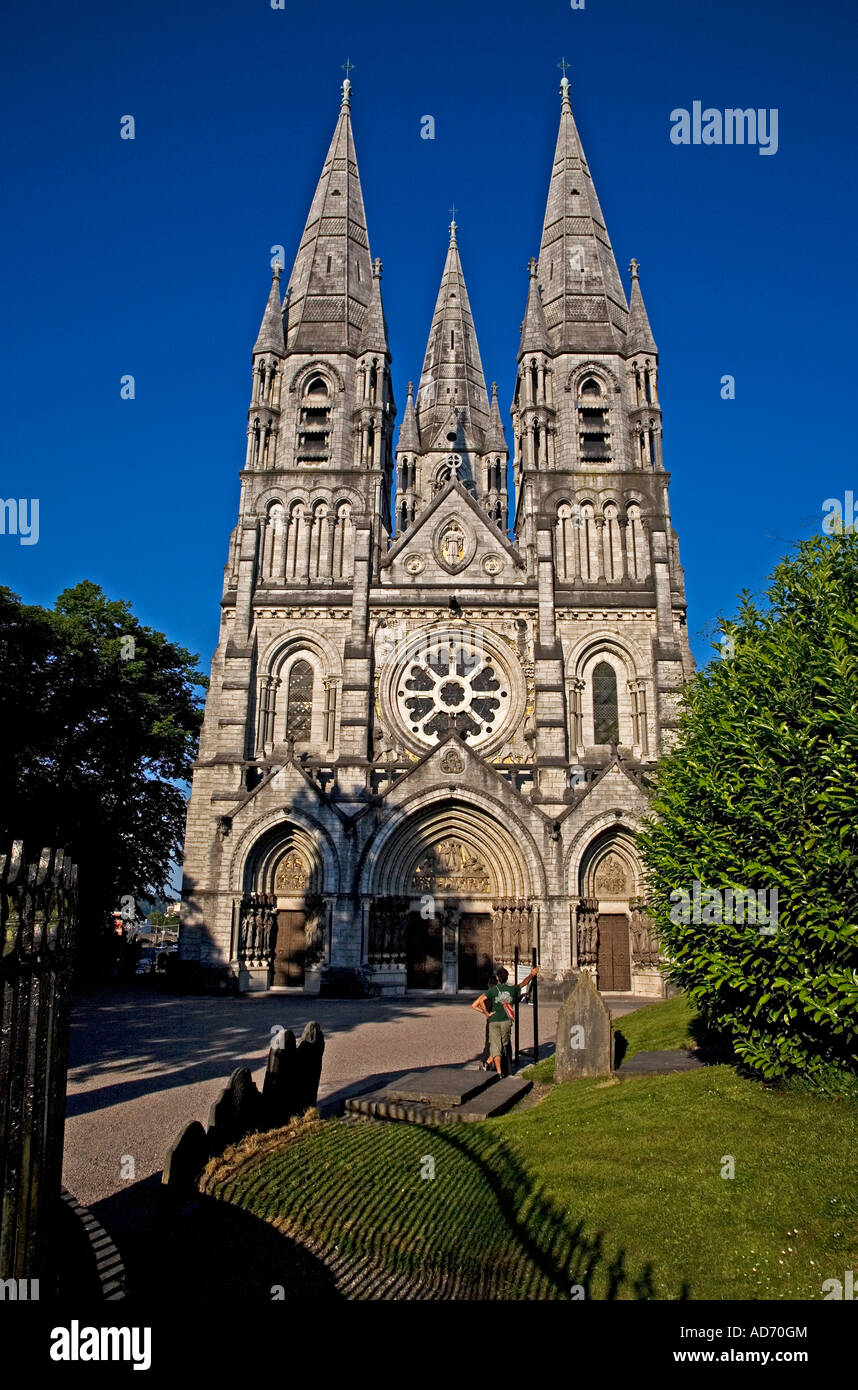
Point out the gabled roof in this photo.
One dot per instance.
(498, 538)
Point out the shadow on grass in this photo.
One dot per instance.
(211, 1250)
(543, 1240)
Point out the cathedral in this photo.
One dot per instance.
(443, 679)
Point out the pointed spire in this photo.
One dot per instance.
(409, 435)
(639, 337)
(374, 336)
(452, 376)
(270, 337)
(534, 332)
(495, 436)
(331, 281)
(582, 294)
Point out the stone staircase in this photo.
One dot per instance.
(442, 1094)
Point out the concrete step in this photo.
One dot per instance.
(493, 1097)
(442, 1087)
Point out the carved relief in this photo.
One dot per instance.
(450, 865)
(292, 874)
(611, 879)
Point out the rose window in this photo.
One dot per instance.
(455, 679)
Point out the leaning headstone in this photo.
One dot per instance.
(308, 1067)
(235, 1113)
(585, 1034)
(186, 1160)
(278, 1088)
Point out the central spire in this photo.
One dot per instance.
(582, 294)
(331, 282)
(452, 379)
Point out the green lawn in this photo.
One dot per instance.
(656, 1028)
(615, 1187)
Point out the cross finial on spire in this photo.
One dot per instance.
(564, 83)
(634, 267)
(453, 210)
(348, 66)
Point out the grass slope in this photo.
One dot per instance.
(616, 1188)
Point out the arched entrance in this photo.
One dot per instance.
(283, 880)
(450, 897)
(610, 881)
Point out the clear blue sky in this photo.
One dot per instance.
(151, 257)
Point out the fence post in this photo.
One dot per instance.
(515, 979)
(37, 913)
(535, 996)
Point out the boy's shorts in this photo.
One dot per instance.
(499, 1036)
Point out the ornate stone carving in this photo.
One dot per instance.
(644, 940)
(511, 927)
(588, 931)
(451, 866)
(452, 761)
(257, 928)
(292, 874)
(611, 880)
(452, 545)
(387, 924)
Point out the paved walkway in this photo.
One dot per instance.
(143, 1064)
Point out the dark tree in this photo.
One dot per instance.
(100, 720)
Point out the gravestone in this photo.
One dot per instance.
(585, 1034)
(186, 1160)
(235, 1113)
(279, 1087)
(308, 1067)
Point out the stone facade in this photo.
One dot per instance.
(426, 743)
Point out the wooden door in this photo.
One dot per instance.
(423, 952)
(291, 948)
(612, 962)
(475, 950)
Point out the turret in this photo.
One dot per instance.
(264, 414)
(642, 380)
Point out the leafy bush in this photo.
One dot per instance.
(761, 792)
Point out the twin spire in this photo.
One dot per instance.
(334, 294)
(582, 294)
(575, 300)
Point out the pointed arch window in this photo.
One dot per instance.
(593, 422)
(314, 422)
(606, 718)
(299, 703)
